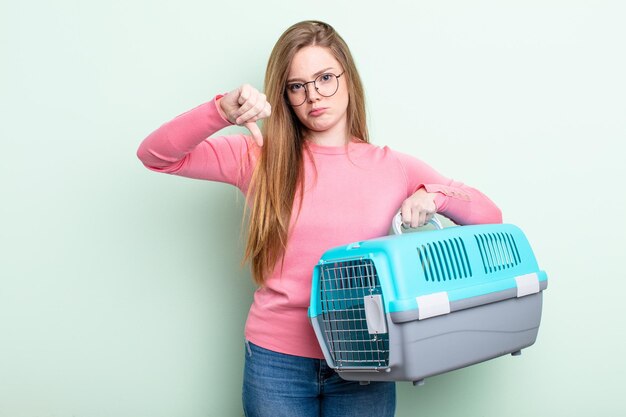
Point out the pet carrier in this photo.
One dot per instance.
(402, 308)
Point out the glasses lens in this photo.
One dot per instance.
(327, 84)
(296, 94)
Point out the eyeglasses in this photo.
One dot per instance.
(326, 85)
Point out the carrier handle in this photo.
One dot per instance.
(397, 223)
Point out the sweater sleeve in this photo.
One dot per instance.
(455, 200)
(183, 147)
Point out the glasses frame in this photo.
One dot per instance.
(306, 89)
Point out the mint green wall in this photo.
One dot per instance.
(121, 292)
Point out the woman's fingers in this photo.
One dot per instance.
(251, 103)
(421, 218)
(418, 209)
(259, 109)
(406, 213)
(248, 98)
(265, 113)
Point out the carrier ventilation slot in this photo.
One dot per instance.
(498, 251)
(445, 260)
(343, 287)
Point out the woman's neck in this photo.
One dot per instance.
(329, 137)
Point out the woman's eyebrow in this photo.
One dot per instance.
(314, 75)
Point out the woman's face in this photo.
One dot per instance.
(319, 113)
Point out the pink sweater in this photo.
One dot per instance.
(349, 196)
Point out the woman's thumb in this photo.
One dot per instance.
(256, 132)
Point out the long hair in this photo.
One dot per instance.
(278, 175)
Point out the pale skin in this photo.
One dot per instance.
(245, 105)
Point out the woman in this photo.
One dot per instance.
(312, 181)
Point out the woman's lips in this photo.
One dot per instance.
(317, 112)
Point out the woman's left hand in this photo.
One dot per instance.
(418, 209)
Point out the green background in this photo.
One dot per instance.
(121, 290)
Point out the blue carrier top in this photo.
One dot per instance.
(421, 275)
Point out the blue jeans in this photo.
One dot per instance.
(280, 385)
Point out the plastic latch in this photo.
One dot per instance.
(431, 305)
(527, 284)
(375, 314)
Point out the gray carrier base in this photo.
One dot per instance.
(423, 348)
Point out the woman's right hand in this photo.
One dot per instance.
(244, 106)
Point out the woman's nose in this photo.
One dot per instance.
(312, 94)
